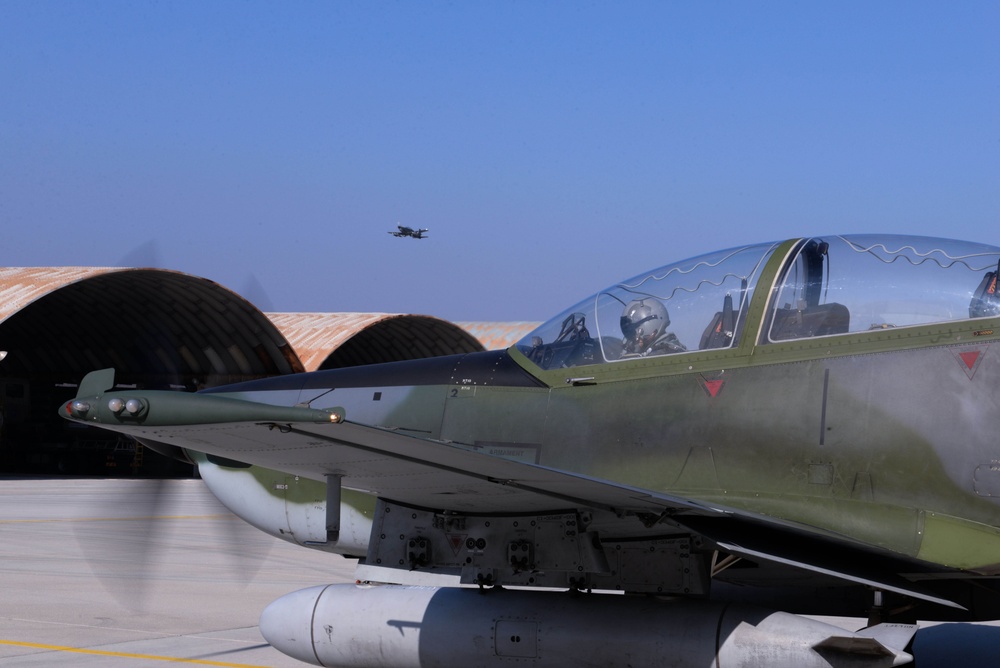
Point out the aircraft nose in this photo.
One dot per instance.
(287, 624)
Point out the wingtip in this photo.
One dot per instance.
(96, 383)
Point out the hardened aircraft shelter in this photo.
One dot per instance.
(165, 329)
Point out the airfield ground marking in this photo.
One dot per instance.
(126, 655)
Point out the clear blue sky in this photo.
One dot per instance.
(552, 148)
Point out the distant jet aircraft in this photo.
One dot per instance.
(405, 231)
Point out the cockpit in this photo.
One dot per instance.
(826, 286)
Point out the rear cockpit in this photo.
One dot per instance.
(825, 286)
(844, 284)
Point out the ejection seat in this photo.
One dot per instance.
(804, 323)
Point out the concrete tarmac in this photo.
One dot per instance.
(140, 573)
(146, 573)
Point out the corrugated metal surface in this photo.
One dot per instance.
(331, 340)
(314, 336)
(154, 326)
(143, 318)
(20, 286)
(498, 335)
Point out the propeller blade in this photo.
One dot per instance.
(126, 537)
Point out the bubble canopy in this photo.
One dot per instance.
(826, 286)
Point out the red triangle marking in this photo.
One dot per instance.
(970, 358)
(457, 540)
(713, 387)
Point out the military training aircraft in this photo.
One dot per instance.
(405, 231)
(734, 441)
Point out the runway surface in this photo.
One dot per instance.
(95, 572)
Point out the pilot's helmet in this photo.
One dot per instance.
(644, 320)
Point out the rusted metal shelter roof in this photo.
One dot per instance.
(19, 286)
(169, 328)
(498, 335)
(333, 340)
(181, 330)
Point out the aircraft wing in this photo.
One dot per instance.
(429, 473)
(313, 443)
(410, 469)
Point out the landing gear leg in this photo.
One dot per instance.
(877, 613)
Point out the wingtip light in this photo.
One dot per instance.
(78, 408)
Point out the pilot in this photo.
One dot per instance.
(644, 324)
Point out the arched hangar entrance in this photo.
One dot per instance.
(165, 330)
(336, 340)
(158, 329)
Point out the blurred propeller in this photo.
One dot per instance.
(124, 529)
(144, 256)
(253, 291)
(127, 530)
(129, 536)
